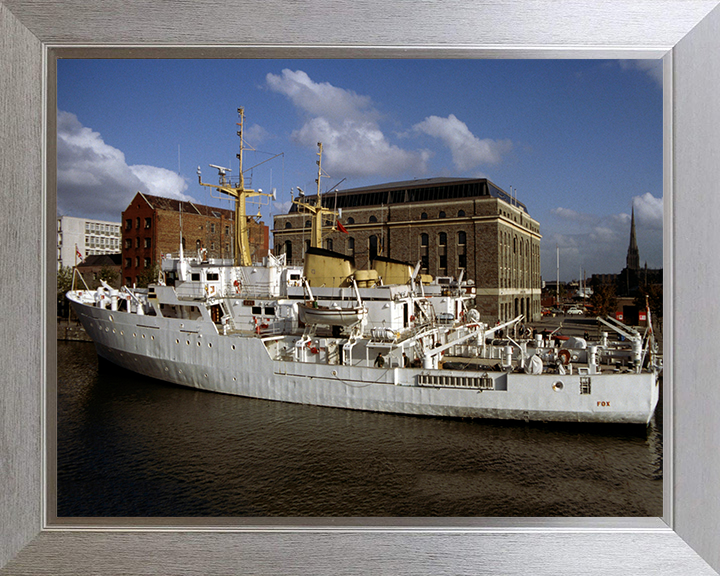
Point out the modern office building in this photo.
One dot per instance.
(78, 238)
(449, 225)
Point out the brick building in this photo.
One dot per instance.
(107, 267)
(448, 224)
(151, 227)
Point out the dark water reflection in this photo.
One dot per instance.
(134, 446)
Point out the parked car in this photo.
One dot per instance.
(575, 311)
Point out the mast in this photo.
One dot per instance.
(317, 211)
(240, 194)
(557, 281)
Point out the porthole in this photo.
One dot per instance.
(152, 337)
(209, 344)
(143, 336)
(187, 342)
(232, 347)
(234, 379)
(177, 341)
(122, 333)
(558, 386)
(198, 343)
(111, 318)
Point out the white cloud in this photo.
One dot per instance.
(598, 244)
(572, 215)
(468, 151)
(321, 99)
(648, 211)
(653, 68)
(94, 179)
(256, 134)
(347, 124)
(282, 207)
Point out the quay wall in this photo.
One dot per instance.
(71, 332)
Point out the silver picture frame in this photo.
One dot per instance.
(685, 33)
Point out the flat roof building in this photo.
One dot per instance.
(78, 238)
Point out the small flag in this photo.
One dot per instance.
(77, 252)
(341, 227)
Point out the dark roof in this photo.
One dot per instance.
(419, 190)
(172, 205)
(101, 260)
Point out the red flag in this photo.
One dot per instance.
(341, 227)
(77, 252)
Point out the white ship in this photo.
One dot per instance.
(386, 339)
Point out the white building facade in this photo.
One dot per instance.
(89, 236)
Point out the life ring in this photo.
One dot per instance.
(564, 356)
(237, 286)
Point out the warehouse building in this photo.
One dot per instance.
(154, 226)
(449, 225)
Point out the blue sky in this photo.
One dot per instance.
(580, 140)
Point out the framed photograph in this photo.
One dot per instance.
(684, 540)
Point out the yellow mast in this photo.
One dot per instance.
(240, 193)
(317, 211)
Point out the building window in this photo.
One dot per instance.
(288, 225)
(328, 244)
(461, 213)
(307, 224)
(288, 251)
(351, 246)
(147, 242)
(462, 238)
(137, 223)
(373, 247)
(212, 246)
(128, 263)
(137, 262)
(351, 220)
(227, 230)
(128, 280)
(441, 215)
(212, 228)
(146, 263)
(424, 254)
(148, 222)
(128, 224)
(137, 242)
(307, 245)
(372, 219)
(423, 216)
(442, 239)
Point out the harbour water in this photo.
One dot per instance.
(132, 446)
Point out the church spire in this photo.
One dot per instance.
(633, 254)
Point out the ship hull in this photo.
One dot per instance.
(197, 356)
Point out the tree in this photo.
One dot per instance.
(651, 295)
(603, 300)
(64, 284)
(149, 276)
(108, 275)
